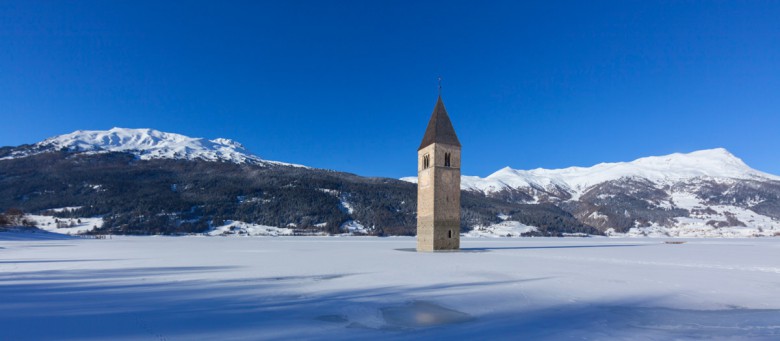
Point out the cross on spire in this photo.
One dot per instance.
(439, 85)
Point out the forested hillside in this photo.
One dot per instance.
(171, 196)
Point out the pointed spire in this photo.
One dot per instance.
(440, 128)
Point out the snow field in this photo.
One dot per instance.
(199, 288)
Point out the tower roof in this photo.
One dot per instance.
(440, 128)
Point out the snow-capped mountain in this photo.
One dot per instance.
(708, 192)
(704, 193)
(710, 163)
(146, 144)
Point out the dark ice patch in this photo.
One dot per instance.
(332, 318)
(422, 314)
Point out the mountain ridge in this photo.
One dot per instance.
(147, 144)
(712, 163)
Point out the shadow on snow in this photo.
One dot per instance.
(112, 304)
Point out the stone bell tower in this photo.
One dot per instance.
(438, 185)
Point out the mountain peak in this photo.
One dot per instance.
(717, 154)
(717, 162)
(714, 153)
(148, 144)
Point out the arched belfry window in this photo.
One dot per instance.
(449, 234)
(446, 159)
(426, 161)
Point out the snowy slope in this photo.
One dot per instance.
(713, 163)
(708, 220)
(70, 226)
(506, 228)
(239, 228)
(148, 144)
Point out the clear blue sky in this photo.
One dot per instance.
(350, 85)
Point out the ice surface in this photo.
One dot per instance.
(420, 314)
(202, 288)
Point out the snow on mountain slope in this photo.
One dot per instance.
(707, 220)
(715, 163)
(70, 226)
(506, 228)
(148, 144)
(239, 228)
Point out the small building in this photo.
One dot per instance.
(438, 184)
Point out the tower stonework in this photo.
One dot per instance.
(438, 185)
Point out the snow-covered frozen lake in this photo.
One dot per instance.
(232, 288)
